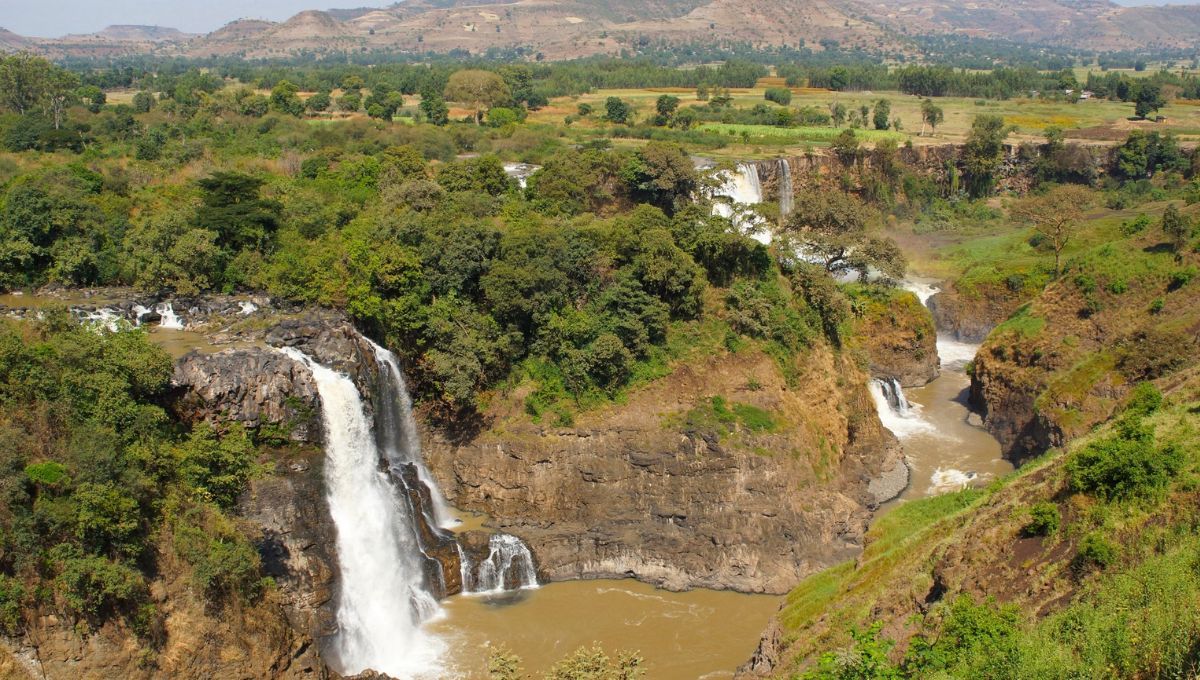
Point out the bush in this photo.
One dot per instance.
(1125, 465)
(1044, 520)
(1095, 551)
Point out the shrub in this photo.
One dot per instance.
(1144, 399)
(1095, 551)
(1125, 465)
(1181, 277)
(779, 95)
(94, 587)
(1044, 520)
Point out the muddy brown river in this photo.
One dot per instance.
(681, 636)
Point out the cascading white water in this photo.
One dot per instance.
(246, 307)
(400, 439)
(742, 187)
(383, 598)
(896, 414)
(521, 172)
(508, 560)
(109, 319)
(169, 318)
(786, 190)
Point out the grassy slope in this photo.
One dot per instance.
(971, 542)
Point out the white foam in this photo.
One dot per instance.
(946, 480)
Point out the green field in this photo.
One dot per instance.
(798, 134)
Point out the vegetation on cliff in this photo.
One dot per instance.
(102, 486)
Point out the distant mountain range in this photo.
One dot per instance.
(560, 29)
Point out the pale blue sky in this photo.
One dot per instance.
(52, 18)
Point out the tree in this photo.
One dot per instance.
(830, 227)
(1148, 99)
(434, 108)
(1055, 215)
(478, 89)
(837, 112)
(983, 152)
(931, 115)
(1177, 228)
(663, 174)
(845, 147)
(665, 107)
(883, 113)
(93, 96)
(320, 101)
(232, 208)
(23, 81)
(617, 111)
(285, 99)
(143, 101)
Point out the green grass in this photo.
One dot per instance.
(1023, 323)
(798, 134)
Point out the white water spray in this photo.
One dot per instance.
(383, 598)
(743, 188)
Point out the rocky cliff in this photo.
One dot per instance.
(1061, 364)
(649, 490)
(898, 336)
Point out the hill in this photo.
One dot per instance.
(560, 29)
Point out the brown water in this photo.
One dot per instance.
(179, 342)
(951, 453)
(681, 636)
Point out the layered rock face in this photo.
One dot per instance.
(970, 318)
(635, 491)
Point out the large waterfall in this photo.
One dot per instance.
(743, 188)
(383, 595)
(397, 431)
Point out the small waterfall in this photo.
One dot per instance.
(521, 172)
(246, 307)
(398, 434)
(383, 595)
(895, 412)
(786, 188)
(508, 566)
(169, 318)
(109, 319)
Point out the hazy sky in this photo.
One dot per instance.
(52, 18)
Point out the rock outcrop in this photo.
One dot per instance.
(899, 338)
(969, 318)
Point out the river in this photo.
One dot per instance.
(681, 636)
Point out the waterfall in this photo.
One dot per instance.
(169, 318)
(246, 307)
(398, 434)
(508, 566)
(895, 412)
(785, 187)
(742, 187)
(383, 597)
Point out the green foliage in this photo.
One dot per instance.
(983, 153)
(89, 461)
(1126, 464)
(1044, 520)
(866, 659)
(224, 563)
(722, 417)
(1095, 551)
